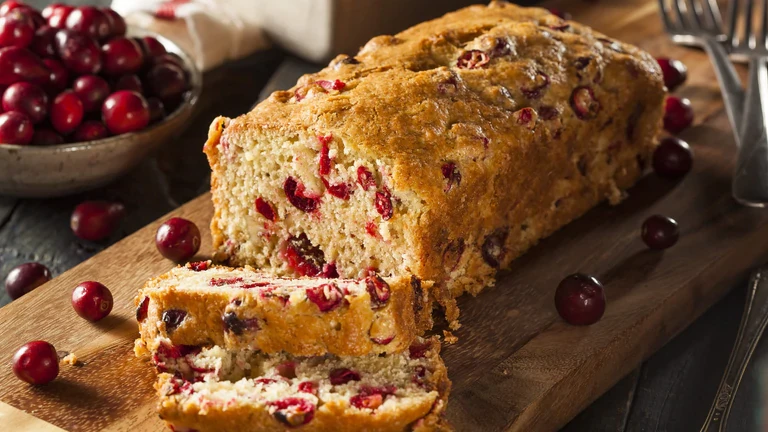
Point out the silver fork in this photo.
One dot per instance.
(698, 23)
(750, 178)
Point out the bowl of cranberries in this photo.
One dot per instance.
(83, 97)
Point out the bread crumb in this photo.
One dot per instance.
(71, 359)
(449, 337)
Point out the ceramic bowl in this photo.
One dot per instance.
(48, 171)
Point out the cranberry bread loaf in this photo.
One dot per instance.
(244, 390)
(202, 304)
(444, 151)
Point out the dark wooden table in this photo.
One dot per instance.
(672, 391)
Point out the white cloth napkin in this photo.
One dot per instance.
(210, 31)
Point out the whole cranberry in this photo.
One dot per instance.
(15, 128)
(580, 299)
(156, 110)
(48, 10)
(96, 220)
(129, 82)
(673, 158)
(659, 232)
(44, 137)
(674, 71)
(125, 111)
(678, 114)
(36, 362)
(43, 44)
(16, 29)
(27, 99)
(57, 15)
(168, 58)
(20, 64)
(92, 300)
(10, 5)
(58, 77)
(92, 90)
(66, 112)
(90, 21)
(122, 56)
(79, 53)
(116, 22)
(90, 130)
(166, 81)
(151, 46)
(178, 239)
(25, 278)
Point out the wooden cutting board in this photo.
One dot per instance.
(516, 366)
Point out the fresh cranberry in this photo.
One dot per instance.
(294, 191)
(79, 53)
(57, 79)
(25, 278)
(125, 111)
(560, 14)
(36, 362)
(286, 369)
(129, 82)
(20, 64)
(90, 130)
(674, 71)
(327, 297)
(66, 112)
(15, 128)
(47, 11)
(383, 203)
(92, 300)
(472, 59)
(302, 256)
(584, 103)
(265, 209)
(96, 220)
(151, 46)
(342, 376)
(678, 114)
(292, 411)
(660, 232)
(365, 178)
(116, 22)
(378, 290)
(167, 82)
(44, 42)
(90, 21)
(10, 5)
(44, 137)
(92, 90)
(122, 56)
(16, 29)
(156, 109)
(168, 58)
(57, 15)
(173, 319)
(493, 250)
(178, 239)
(580, 299)
(673, 158)
(142, 310)
(27, 99)
(452, 175)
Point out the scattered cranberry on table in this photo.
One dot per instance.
(678, 114)
(96, 220)
(674, 71)
(178, 239)
(580, 299)
(36, 362)
(92, 300)
(672, 159)
(25, 278)
(659, 232)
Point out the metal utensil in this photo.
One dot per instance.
(698, 23)
(750, 178)
(753, 323)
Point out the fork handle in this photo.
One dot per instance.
(750, 179)
(753, 322)
(730, 84)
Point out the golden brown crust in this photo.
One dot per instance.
(353, 329)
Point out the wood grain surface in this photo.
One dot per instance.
(516, 365)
